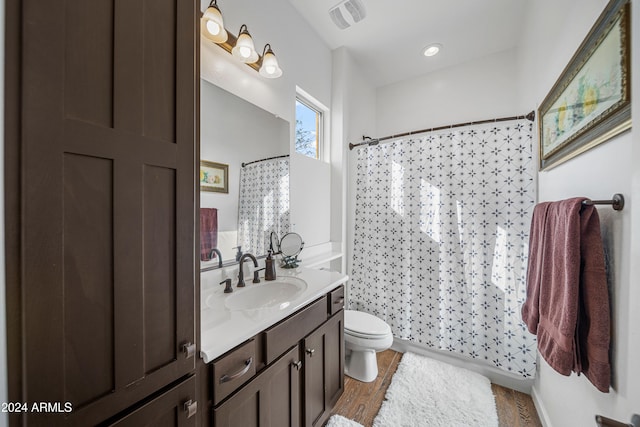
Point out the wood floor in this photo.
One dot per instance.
(361, 401)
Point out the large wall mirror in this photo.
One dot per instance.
(245, 181)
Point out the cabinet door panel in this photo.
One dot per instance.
(323, 370)
(108, 202)
(334, 359)
(314, 376)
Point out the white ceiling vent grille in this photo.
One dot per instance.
(347, 12)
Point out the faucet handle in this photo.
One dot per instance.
(227, 286)
(240, 281)
(256, 275)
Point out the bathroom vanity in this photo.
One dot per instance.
(273, 352)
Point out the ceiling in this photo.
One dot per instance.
(388, 42)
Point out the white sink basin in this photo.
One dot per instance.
(272, 294)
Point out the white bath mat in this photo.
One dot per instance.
(340, 421)
(425, 392)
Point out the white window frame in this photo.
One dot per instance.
(323, 125)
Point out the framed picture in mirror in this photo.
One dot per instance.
(214, 177)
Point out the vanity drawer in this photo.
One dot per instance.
(284, 335)
(233, 369)
(336, 300)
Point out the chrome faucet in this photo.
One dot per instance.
(241, 271)
(217, 251)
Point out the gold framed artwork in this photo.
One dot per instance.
(214, 177)
(591, 100)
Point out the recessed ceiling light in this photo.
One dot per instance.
(432, 49)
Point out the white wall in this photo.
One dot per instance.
(549, 41)
(306, 63)
(481, 89)
(354, 100)
(634, 270)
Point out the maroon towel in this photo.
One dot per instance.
(594, 327)
(567, 303)
(208, 232)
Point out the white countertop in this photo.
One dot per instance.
(222, 329)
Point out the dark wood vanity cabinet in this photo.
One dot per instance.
(271, 399)
(323, 370)
(300, 372)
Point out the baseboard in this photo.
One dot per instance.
(542, 412)
(495, 375)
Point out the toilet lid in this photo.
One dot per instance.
(361, 323)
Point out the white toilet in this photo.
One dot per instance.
(364, 335)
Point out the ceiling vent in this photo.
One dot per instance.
(347, 12)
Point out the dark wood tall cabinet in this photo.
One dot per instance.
(101, 200)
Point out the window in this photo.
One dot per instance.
(309, 128)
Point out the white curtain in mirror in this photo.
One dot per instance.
(263, 204)
(441, 240)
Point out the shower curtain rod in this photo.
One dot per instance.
(264, 160)
(371, 141)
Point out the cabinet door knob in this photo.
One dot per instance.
(190, 407)
(189, 350)
(247, 364)
(297, 365)
(310, 352)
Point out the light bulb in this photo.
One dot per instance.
(213, 28)
(270, 68)
(244, 49)
(245, 52)
(213, 24)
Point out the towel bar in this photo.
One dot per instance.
(617, 202)
(608, 422)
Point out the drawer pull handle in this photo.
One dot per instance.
(297, 365)
(190, 407)
(310, 352)
(339, 300)
(247, 364)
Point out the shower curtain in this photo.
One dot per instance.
(441, 240)
(264, 204)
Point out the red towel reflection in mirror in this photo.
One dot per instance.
(208, 233)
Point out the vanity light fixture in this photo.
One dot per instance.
(244, 49)
(270, 68)
(213, 25)
(432, 49)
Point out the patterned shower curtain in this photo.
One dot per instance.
(441, 240)
(264, 204)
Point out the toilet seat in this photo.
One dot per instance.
(365, 336)
(365, 325)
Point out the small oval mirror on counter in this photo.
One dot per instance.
(291, 244)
